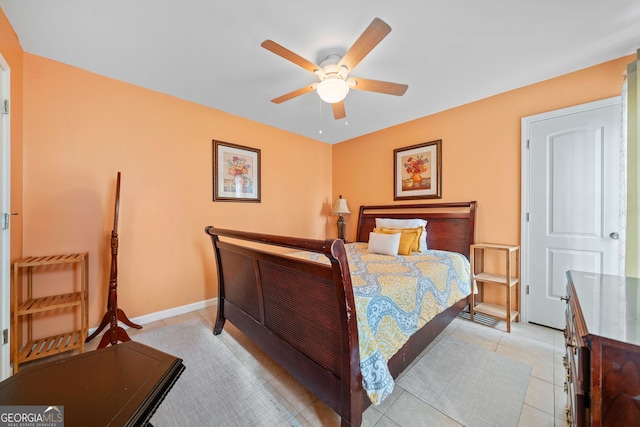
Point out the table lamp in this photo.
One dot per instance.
(340, 207)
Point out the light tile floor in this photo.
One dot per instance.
(538, 346)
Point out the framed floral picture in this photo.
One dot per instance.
(418, 171)
(236, 173)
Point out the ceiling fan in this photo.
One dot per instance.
(334, 71)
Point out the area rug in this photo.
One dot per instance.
(215, 389)
(474, 386)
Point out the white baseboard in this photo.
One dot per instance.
(160, 315)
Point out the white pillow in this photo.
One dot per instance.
(385, 244)
(406, 223)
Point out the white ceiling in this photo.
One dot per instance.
(208, 51)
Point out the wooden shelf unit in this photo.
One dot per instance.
(509, 281)
(25, 308)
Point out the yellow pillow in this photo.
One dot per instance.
(409, 238)
(417, 232)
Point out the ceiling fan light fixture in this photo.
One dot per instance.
(333, 89)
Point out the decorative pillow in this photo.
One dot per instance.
(385, 244)
(407, 239)
(412, 234)
(406, 223)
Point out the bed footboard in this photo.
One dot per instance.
(301, 313)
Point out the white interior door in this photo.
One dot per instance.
(570, 203)
(5, 241)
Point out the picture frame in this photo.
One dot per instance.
(236, 173)
(418, 171)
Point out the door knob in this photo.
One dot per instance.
(614, 236)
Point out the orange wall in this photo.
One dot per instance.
(82, 128)
(481, 144)
(12, 53)
(481, 151)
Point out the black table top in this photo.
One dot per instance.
(120, 385)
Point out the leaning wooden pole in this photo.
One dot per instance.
(115, 332)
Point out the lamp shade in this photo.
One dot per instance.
(332, 89)
(340, 207)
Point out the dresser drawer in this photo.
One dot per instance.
(569, 387)
(576, 368)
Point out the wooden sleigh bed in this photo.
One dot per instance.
(302, 313)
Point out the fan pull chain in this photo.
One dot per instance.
(320, 115)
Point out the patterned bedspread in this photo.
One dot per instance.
(395, 296)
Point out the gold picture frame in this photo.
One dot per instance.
(236, 173)
(418, 171)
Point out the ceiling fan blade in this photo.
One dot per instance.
(379, 86)
(292, 94)
(338, 110)
(288, 55)
(375, 32)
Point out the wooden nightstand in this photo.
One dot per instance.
(509, 281)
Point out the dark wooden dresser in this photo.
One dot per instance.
(602, 358)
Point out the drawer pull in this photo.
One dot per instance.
(569, 413)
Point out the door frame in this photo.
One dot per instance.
(5, 238)
(525, 180)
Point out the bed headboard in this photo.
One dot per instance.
(450, 226)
